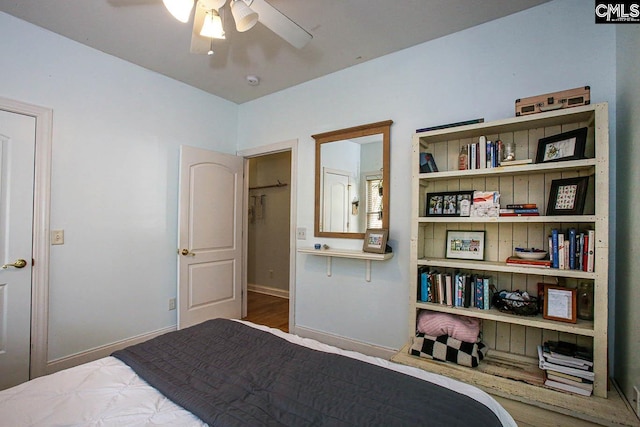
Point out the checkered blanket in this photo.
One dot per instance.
(448, 349)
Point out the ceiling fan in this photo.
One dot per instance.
(209, 16)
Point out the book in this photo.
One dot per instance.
(522, 206)
(567, 387)
(487, 294)
(482, 152)
(449, 289)
(568, 377)
(591, 250)
(427, 163)
(585, 252)
(567, 349)
(572, 249)
(553, 250)
(529, 262)
(580, 384)
(561, 249)
(515, 162)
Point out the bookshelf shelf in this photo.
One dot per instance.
(513, 337)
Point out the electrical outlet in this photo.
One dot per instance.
(172, 304)
(301, 232)
(57, 237)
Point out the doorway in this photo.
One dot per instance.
(269, 224)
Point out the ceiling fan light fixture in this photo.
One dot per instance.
(180, 9)
(212, 26)
(243, 15)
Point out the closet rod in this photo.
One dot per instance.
(279, 184)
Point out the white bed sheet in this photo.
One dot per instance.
(107, 392)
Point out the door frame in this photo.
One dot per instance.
(292, 146)
(41, 219)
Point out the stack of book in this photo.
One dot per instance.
(567, 367)
(521, 262)
(454, 290)
(522, 209)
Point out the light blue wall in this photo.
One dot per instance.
(628, 269)
(474, 73)
(117, 129)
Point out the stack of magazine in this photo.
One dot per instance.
(567, 367)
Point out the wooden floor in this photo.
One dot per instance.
(268, 310)
(274, 312)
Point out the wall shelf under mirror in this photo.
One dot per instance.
(347, 253)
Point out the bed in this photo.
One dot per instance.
(234, 373)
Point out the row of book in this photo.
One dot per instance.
(454, 290)
(483, 154)
(572, 250)
(567, 367)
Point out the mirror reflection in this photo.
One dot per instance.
(351, 169)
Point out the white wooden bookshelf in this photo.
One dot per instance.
(513, 339)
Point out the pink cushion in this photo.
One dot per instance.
(461, 328)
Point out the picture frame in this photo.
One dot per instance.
(560, 304)
(562, 147)
(375, 240)
(567, 196)
(449, 203)
(465, 245)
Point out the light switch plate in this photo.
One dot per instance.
(57, 237)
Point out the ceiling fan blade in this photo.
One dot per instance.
(280, 24)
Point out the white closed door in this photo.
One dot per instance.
(209, 236)
(335, 200)
(17, 151)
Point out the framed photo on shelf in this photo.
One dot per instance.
(559, 304)
(375, 240)
(567, 196)
(450, 203)
(465, 245)
(564, 146)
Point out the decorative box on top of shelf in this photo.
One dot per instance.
(510, 336)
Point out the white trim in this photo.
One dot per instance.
(267, 290)
(102, 351)
(41, 215)
(291, 145)
(345, 343)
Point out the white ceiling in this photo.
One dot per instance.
(345, 33)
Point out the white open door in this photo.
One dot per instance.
(17, 150)
(209, 236)
(335, 200)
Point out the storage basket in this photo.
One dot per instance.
(521, 307)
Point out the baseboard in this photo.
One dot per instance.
(345, 343)
(103, 351)
(280, 293)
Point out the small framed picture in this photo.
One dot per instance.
(375, 240)
(565, 146)
(465, 245)
(464, 200)
(567, 196)
(559, 304)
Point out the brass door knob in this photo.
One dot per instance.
(186, 252)
(20, 263)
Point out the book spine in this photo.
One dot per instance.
(424, 289)
(572, 248)
(486, 297)
(431, 162)
(561, 255)
(580, 251)
(585, 252)
(449, 289)
(523, 206)
(479, 303)
(482, 152)
(490, 154)
(474, 155)
(591, 253)
(554, 248)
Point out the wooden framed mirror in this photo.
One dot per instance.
(352, 168)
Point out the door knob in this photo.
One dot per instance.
(20, 263)
(186, 252)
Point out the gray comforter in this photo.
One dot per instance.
(230, 374)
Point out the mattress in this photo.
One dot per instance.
(107, 392)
